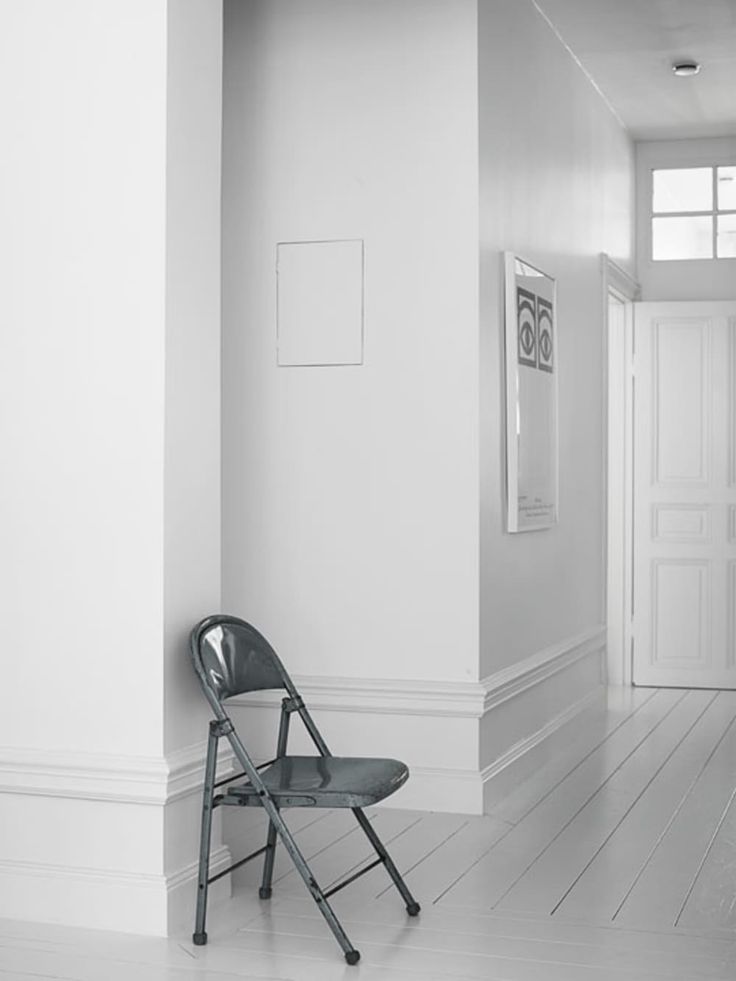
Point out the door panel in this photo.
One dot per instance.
(681, 597)
(680, 400)
(684, 495)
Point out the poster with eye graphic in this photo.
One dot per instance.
(531, 396)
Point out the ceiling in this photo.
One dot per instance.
(628, 47)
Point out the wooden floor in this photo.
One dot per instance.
(617, 862)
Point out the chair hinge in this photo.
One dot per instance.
(222, 727)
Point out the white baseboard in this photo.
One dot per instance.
(84, 832)
(532, 707)
(155, 780)
(529, 743)
(446, 731)
(519, 678)
(181, 891)
(453, 791)
(506, 773)
(105, 899)
(379, 696)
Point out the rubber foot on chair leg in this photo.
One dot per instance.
(352, 956)
(413, 908)
(264, 893)
(199, 939)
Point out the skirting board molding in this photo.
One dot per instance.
(462, 741)
(518, 678)
(418, 720)
(104, 777)
(525, 757)
(456, 699)
(472, 791)
(406, 708)
(532, 707)
(105, 899)
(530, 742)
(380, 696)
(108, 817)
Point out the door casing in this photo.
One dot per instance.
(619, 292)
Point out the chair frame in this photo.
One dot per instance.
(221, 727)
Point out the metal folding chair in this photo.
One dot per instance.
(230, 657)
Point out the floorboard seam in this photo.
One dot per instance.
(726, 809)
(595, 793)
(633, 804)
(672, 820)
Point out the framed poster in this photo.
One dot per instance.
(531, 396)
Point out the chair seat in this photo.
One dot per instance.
(326, 781)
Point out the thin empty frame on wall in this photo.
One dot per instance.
(531, 396)
(319, 319)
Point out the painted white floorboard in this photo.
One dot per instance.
(603, 886)
(633, 826)
(444, 954)
(337, 829)
(657, 896)
(513, 855)
(541, 888)
(679, 946)
(587, 944)
(303, 823)
(336, 860)
(430, 877)
(593, 728)
(222, 965)
(313, 838)
(408, 850)
(505, 945)
(712, 899)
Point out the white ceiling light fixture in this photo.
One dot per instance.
(684, 69)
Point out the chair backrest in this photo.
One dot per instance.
(230, 657)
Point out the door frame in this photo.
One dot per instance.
(617, 463)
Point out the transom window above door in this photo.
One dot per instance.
(693, 213)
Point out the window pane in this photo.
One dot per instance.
(727, 237)
(727, 188)
(683, 190)
(682, 238)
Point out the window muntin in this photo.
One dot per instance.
(726, 241)
(726, 185)
(693, 213)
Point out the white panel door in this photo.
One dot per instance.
(684, 495)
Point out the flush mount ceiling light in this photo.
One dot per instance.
(683, 69)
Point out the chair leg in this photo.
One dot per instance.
(200, 936)
(265, 891)
(352, 956)
(412, 906)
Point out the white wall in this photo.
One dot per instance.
(108, 395)
(81, 373)
(352, 496)
(556, 187)
(192, 383)
(350, 530)
(192, 518)
(694, 279)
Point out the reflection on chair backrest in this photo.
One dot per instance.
(231, 657)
